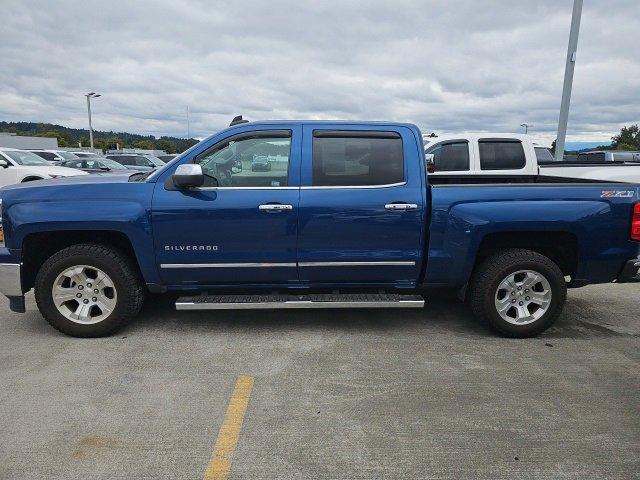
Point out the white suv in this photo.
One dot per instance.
(17, 166)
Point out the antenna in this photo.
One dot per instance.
(237, 120)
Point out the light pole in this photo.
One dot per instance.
(526, 127)
(188, 124)
(89, 96)
(568, 79)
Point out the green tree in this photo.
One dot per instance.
(165, 145)
(143, 144)
(628, 137)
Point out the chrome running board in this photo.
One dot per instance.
(248, 302)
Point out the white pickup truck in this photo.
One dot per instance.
(497, 157)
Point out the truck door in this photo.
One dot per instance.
(240, 227)
(362, 206)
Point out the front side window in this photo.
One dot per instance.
(450, 157)
(363, 159)
(256, 160)
(501, 154)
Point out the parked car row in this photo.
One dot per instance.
(18, 166)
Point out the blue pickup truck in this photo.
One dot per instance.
(344, 217)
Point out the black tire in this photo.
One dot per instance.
(490, 273)
(117, 265)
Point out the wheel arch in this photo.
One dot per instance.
(561, 247)
(39, 246)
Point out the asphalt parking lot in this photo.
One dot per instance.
(336, 394)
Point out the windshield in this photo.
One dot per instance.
(87, 155)
(112, 164)
(25, 158)
(67, 155)
(155, 160)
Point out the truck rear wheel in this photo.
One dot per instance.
(88, 290)
(518, 293)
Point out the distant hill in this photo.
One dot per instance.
(577, 146)
(69, 137)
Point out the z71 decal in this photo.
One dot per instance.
(617, 194)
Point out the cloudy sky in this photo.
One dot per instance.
(446, 65)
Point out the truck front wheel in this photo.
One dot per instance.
(518, 293)
(88, 290)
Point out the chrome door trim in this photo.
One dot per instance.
(275, 207)
(392, 263)
(228, 265)
(401, 206)
(320, 187)
(244, 188)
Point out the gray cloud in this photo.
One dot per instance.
(446, 65)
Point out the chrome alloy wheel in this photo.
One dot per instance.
(523, 297)
(84, 294)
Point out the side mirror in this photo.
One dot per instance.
(3, 163)
(188, 175)
(430, 158)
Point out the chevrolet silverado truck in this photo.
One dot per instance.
(499, 157)
(345, 218)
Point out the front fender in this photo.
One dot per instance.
(120, 209)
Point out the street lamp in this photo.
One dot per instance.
(526, 127)
(568, 78)
(89, 96)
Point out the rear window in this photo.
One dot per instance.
(346, 158)
(450, 156)
(498, 154)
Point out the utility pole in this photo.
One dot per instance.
(568, 78)
(89, 96)
(188, 124)
(526, 127)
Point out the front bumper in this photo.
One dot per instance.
(11, 279)
(630, 272)
(11, 285)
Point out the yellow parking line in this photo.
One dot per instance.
(227, 440)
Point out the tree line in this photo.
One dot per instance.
(74, 137)
(627, 139)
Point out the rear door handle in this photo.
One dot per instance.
(401, 206)
(275, 207)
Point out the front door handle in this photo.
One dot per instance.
(275, 207)
(401, 206)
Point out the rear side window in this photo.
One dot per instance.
(349, 158)
(51, 157)
(450, 157)
(497, 154)
(543, 155)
